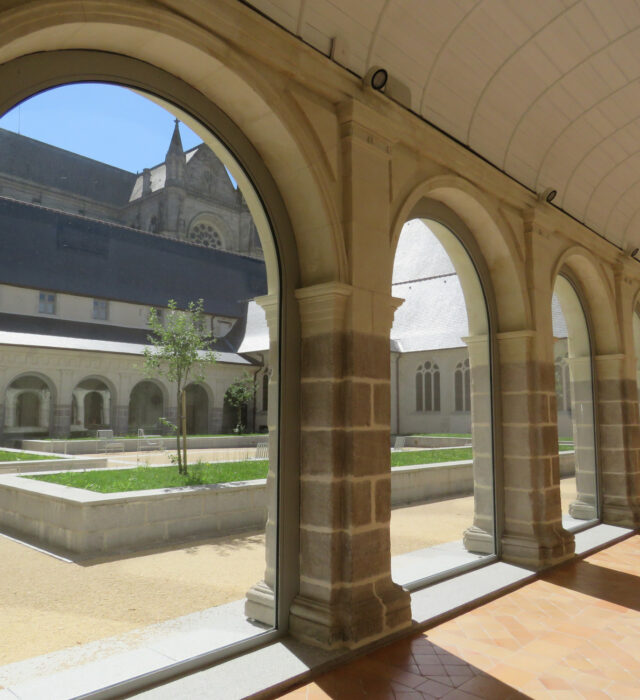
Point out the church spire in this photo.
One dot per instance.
(175, 147)
(175, 160)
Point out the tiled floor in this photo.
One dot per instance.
(574, 633)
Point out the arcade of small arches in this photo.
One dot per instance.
(29, 408)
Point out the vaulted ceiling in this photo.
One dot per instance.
(547, 90)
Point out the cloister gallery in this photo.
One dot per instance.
(396, 225)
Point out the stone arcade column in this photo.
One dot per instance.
(346, 596)
(533, 534)
(479, 537)
(618, 439)
(120, 419)
(585, 507)
(260, 603)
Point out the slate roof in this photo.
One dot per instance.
(52, 167)
(557, 318)
(46, 249)
(91, 345)
(433, 315)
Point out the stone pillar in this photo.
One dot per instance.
(585, 507)
(79, 395)
(61, 423)
(10, 407)
(106, 406)
(618, 439)
(260, 603)
(479, 537)
(346, 596)
(532, 534)
(120, 419)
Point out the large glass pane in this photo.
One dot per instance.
(574, 394)
(441, 462)
(138, 340)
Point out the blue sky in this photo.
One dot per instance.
(106, 122)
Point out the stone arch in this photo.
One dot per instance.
(148, 401)
(596, 297)
(175, 50)
(92, 401)
(461, 207)
(199, 399)
(29, 399)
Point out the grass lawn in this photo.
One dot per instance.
(22, 456)
(141, 478)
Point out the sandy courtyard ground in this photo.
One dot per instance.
(47, 604)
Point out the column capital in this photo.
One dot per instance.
(323, 307)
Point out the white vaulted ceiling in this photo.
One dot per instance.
(547, 90)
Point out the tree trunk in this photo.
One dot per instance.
(178, 452)
(183, 425)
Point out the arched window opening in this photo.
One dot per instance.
(91, 403)
(441, 327)
(144, 213)
(428, 387)
(27, 408)
(575, 411)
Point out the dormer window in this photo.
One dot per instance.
(47, 303)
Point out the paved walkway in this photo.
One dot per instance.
(574, 633)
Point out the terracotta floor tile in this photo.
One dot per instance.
(573, 633)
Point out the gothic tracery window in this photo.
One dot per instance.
(462, 386)
(428, 387)
(204, 233)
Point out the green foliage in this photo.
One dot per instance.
(145, 477)
(180, 348)
(238, 395)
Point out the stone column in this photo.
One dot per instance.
(346, 597)
(120, 419)
(618, 439)
(80, 396)
(10, 407)
(533, 534)
(479, 537)
(260, 603)
(585, 507)
(106, 406)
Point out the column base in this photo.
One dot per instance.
(538, 552)
(349, 623)
(582, 511)
(478, 541)
(261, 604)
(622, 515)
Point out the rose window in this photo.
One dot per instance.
(206, 235)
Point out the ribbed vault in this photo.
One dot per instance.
(548, 91)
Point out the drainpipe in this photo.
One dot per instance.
(255, 387)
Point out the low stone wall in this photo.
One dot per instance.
(52, 465)
(434, 442)
(85, 522)
(428, 481)
(77, 447)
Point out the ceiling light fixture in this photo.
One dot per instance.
(379, 79)
(547, 195)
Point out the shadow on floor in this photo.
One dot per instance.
(410, 669)
(609, 585)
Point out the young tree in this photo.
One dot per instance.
(239, 394)
(180, 348)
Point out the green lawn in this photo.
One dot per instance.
(22, 456)
(141, 478)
